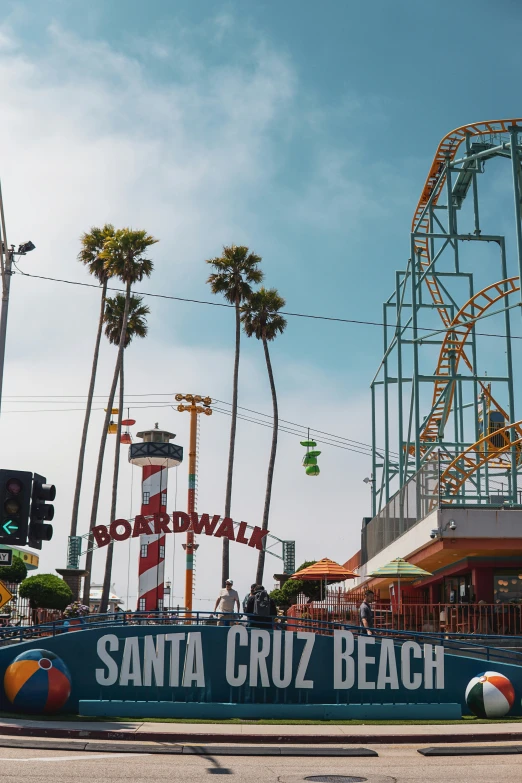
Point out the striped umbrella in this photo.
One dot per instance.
(325, 569)
(400, 569)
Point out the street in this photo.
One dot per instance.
(395, 764)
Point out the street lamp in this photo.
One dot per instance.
(166, 592)
(7, 253)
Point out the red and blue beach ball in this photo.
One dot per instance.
(490, 695)
(37, 681)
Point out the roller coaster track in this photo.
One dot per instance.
(452, 351)
(431, 192)
(462, 467)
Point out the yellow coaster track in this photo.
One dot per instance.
(452, 351)
(460, 327)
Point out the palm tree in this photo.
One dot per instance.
(136, 327)
(261, 318)
(123, 254)
(92, 244)
(235, 272)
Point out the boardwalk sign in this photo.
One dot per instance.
(180, 522)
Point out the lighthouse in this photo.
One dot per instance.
(155, 455)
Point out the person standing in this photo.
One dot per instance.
(262, 607)
(247, 597)
(366, 612)
(227, 599)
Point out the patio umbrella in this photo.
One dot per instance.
(325, 569)
(400, 569)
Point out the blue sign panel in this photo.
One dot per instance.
(240, 665)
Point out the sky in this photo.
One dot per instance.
(303, 130)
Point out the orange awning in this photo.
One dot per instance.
(325, 569)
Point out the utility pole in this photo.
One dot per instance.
(6, 264)
(194, 408)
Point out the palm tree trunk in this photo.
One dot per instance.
(271, 463)
(99, 467)
(108, 560)
(81, 456)
(225, 569)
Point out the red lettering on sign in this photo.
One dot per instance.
(161, 523)
(101, 535)
(226, 530)
(180, 521)
(141, 527)
(240, 538)
(127, 529)
(256, 539)
(204, 524)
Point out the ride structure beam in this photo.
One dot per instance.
(486, 437)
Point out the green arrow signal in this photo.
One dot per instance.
(9, 527)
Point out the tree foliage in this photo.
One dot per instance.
(287, 595)
(260, 314)
(234, 273)
(14, 573)
(46, 591)
(113, 318)
(93, 242)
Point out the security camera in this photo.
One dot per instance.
(434, 534)
(452, 524)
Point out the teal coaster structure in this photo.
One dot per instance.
(441, 396)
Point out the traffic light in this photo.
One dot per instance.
(41, 512)
(15, 499)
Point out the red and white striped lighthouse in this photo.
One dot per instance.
(155, 455)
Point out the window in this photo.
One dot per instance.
(164, 498)
(160, 604)
(507, 588)
(162, 552)
(144, 550)
(146, 498)
(141, 605)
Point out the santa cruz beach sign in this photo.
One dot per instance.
(183, 670)
(209, 525)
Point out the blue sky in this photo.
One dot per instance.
(302, 129)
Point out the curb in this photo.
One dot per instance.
(172, 738)
(173, 748)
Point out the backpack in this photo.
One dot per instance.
(262, 603)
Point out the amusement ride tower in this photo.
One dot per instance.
(458, 438)
(155, 455)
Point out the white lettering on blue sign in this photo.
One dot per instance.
(269, 661)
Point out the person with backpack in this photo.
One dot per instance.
(261, 608)
(246, 599)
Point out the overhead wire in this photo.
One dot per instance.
(231, 306)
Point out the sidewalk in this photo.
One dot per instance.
(260, 734)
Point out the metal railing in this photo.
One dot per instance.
(469, 619)
(457, 643)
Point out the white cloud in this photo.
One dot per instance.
(87, 136)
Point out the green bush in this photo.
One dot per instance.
(14, 573)
(46, 591)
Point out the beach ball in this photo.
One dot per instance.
(37, 681)
(490, 695)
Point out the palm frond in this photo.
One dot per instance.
(123, 254)
(113, 318)
(234, 273)
(92, 245)
(260, 314)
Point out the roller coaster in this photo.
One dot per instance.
(467, 447)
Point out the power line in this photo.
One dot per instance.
(329, 436)
(230, 306)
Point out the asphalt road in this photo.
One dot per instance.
(396, 764)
